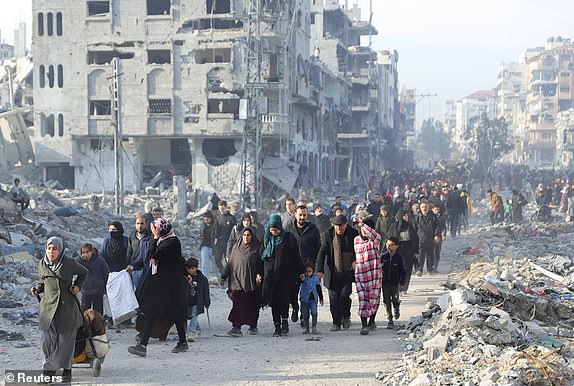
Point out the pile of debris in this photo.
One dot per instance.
(508, 320)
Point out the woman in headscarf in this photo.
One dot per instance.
(163, 296)
(282, 264)
(244, 271)
(405, 231)
(237, 231)
(115, 247)
(60, 314)
(368, 273)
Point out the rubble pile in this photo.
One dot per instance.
(77, 219)
(508, 319)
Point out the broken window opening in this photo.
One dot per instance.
(218, 151)
(223, 106)
(51, 76)
(191, 120)
(158, 56)
(100, 107)
(50, 24)
(59, 23)
(96, 145)
(47, 125)
(105, 57)
(215, 7)
(205, 24)
(42, 75)
(61, 125)
(40, 24)
(159, 106)
(213, 55)
(60, 76)
(98, 8)
(158, 7)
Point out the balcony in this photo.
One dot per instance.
(274, 124)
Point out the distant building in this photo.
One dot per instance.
(549, 90)
(470, 108)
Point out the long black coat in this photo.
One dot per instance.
(325, 259)
(163, 295)
(281, 271)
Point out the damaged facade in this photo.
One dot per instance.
(184, 96)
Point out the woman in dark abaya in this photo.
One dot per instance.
(282, 264)
(244, 271)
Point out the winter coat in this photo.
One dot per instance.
(325, 260)
(58, 303)
(207, 234)
(383, 225)
(224, 223)
(403, 230)
(97, 279)
(322, 222)
(309, 241)
(394, 272)
(163, 295)
(203, 298)
(427, 227)
(281, 271)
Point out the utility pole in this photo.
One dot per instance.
(118, 148)
(251, 145)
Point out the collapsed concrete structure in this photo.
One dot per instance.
(184, 100)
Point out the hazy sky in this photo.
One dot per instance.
(448, 47)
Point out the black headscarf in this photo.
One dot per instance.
(116, 249)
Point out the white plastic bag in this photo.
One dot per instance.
(123, 302)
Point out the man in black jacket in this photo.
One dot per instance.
(224, 223)
(309, 241)
(428, 231)
(320, 219)
(335, 263)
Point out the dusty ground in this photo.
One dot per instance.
(344, 357)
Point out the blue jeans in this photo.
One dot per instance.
(193, 325)
(136, 277)
(206, 253)
(308, 306)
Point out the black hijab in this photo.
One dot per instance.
(116, 249)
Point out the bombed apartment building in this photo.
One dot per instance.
(337, 31)
(180, 85)
(185, 82)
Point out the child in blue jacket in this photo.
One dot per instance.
(309, 296)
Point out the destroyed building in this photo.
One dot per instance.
(184, 84)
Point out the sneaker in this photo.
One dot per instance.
(253, 331)
(365, 330)
(372, 326)
(390, 325)
(419, 273)
(235, 332)
(335, 327)
(138, 350)
(397, 313)
(314, 331)
(180, 347)
(346, 322)
(192, 337)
